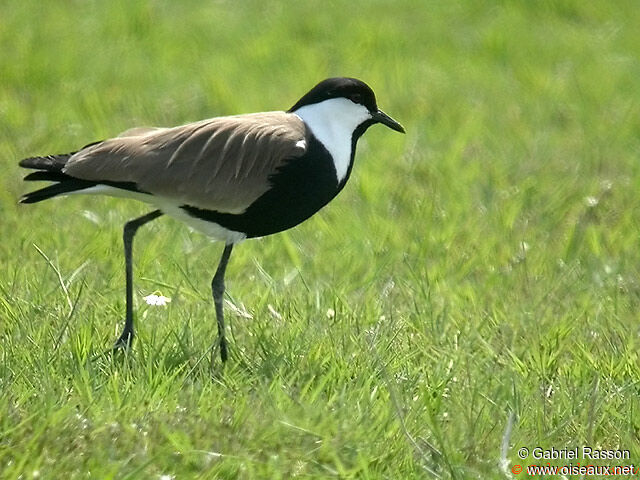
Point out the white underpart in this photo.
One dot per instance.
(333, 122)
(210, 229)
(171, 208)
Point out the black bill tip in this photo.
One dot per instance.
(385, 119)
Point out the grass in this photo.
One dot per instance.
(474, 289)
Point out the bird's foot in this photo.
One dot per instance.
(124, 342)
(218, 348)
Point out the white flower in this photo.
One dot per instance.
(157, 300)
(591, 201)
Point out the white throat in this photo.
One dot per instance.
(333, 123)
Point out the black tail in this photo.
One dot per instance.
(50, 169)
(50, 163)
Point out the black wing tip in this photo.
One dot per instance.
(50, 163)
(27, 199)
(63, 186)
(45, 175)
(31, 162)
(39, 195)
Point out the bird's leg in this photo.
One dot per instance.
(130, 229)
(217, 288)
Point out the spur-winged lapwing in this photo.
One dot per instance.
(231, 178)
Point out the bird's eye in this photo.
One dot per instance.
(356, 98)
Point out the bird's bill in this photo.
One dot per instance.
(385, 119)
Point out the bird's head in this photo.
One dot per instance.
(346, 102)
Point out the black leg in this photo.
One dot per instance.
(130, 229)
(217, 288)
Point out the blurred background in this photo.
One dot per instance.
(492, 250)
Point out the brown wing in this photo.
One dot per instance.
(221, 164)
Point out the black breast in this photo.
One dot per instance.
(300, 187)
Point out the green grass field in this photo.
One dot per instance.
(474, 290)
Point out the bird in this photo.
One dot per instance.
(230, 177)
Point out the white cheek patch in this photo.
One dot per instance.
(333, 123)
